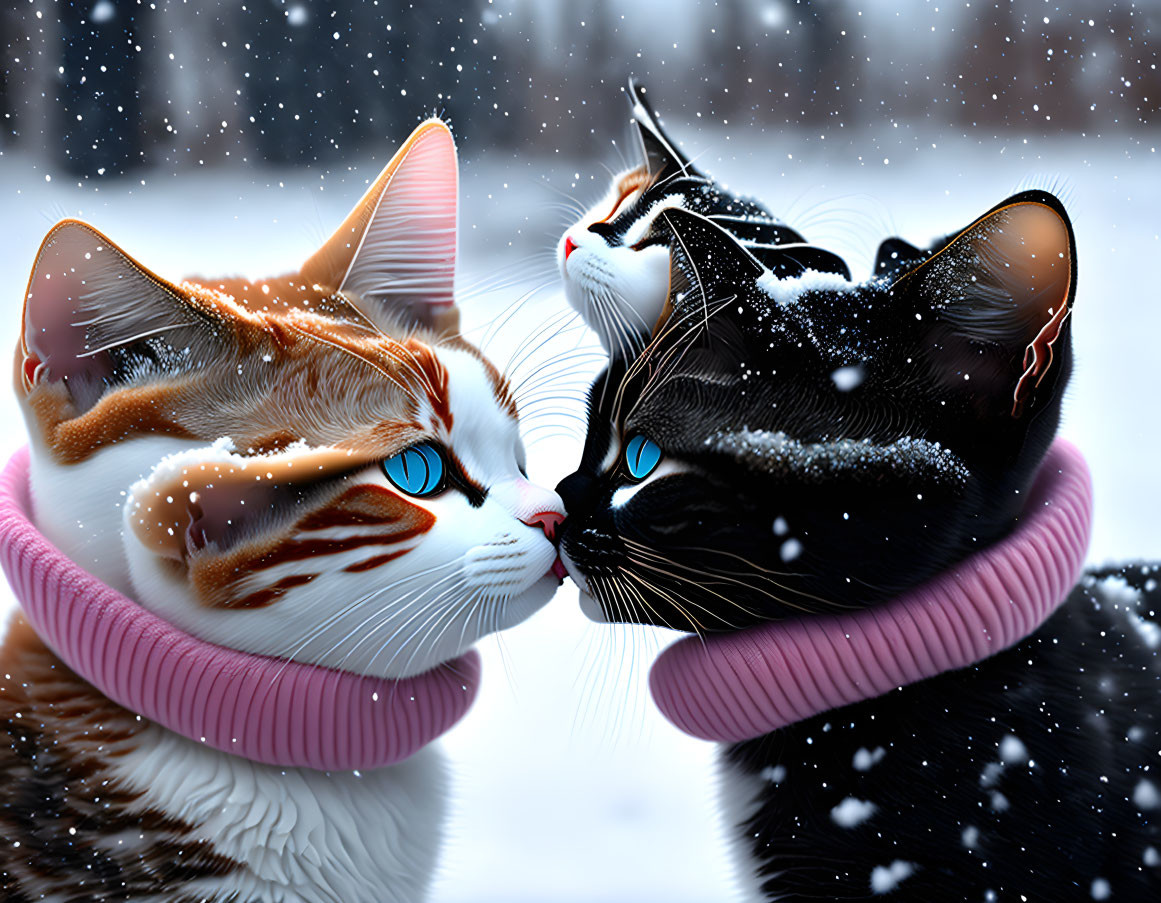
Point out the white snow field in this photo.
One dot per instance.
(570, 786)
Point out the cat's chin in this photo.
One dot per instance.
(588, 604)
(591, 609)
(642, 276)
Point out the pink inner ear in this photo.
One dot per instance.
(85, 297)
(407, 253)
(73, 265)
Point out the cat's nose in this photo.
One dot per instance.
(576, 491)
(548, 521)
(602, 229)
(569, 247)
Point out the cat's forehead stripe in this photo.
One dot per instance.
(255, 574)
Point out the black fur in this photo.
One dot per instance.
(1079, 698)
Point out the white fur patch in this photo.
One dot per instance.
(303, 836)
(78, 507)
(622, 495)
(618, 291)
(738, 801)
(641, 226)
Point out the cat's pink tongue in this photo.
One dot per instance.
(739, 686)
(265, 709)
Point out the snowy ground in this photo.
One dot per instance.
(570, 786)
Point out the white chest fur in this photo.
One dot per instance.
(738, 801)
(301, 836)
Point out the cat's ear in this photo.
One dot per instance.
(897, 256)
(997, 300)
(93, 316)
(789, 261)
(395, 253)
(662, 158)
(706, 263)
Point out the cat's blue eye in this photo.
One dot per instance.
(641, 456)
(417, 470)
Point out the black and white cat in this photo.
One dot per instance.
(615, 260)
(789, 445)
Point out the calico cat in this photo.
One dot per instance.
(615, 259)
(312, 473)
(801, 469)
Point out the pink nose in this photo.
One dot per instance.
(548, 521)
(569, 247)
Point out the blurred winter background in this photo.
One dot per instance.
(229, 137)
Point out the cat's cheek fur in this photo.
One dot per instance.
(475, 571)
(70, 501)
(327, 836)
(618, 291)
(382, 610)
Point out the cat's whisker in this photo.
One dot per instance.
(574, 390)
(494, 284)
(618, 329)
(544, 390)
(586, 675)
(411, 608)
(665, 367)
(394, 608)
(358, 602)
(475, 606)
(751, 569)
(742, 579)
(701, 586)
(653, 587)
(548, 435)
(576, 355)
(433, 608)
(502, 649)
(446, 618)
(621, 660)
(552, 416)
(536, 340)
(497, 324)
(543, 181)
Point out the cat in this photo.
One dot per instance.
(793, 454)
(315, 471)
(615, 259)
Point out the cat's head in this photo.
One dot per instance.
(615, 259)
(313, 466)
(802, 444)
